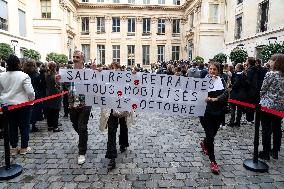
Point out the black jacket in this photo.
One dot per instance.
(218, 107)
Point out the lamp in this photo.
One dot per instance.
(272, 40)
(240, 45)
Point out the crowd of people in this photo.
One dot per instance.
(24, 80)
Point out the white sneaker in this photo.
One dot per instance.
(81, 159)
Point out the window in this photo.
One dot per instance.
(86, 51)
(130, 55)
(239, 1)
(161, 53)
(100, 24)
(3, 15)
(22, 22)
(131, 1)
(146, 54)
(238, 27)
(116, 1)
(100, 1)
(116, 53)
(85, 25)
(45, 8)
(85, 1)
(176, 2)
(131, 25)
(161, 26)
(175, 53)
(161, 1)
(263, 16)
(115, 24)
(146, 25)
(213, 13)
(146, 1)
(101, 54)
(176, 26)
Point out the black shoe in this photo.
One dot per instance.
(111, 164)
(264, 155)
(59, 124)
(57, 130)
(35, 129)
(237, 124)
(274, 154)
(122, 149)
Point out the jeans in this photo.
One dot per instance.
(79, 118)
(123, 137)
(19, 118)
(210, 124)
(271, 124)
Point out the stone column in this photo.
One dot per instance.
(153, 48)
(168, 29)
(92, 30)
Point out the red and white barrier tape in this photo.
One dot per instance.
(35, 101)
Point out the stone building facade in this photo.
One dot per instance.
(141, 32)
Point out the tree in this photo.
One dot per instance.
(238, 56)
(198, 59)
(5, 51)
(271, 49)
(32, 54)
(58, 58)
(221, 58)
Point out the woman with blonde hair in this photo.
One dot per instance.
(272, 96)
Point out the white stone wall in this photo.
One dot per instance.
(13, 27)
(250, 37)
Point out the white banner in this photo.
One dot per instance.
(142, 92)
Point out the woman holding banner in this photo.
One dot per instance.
(272, 96)
(216, 104)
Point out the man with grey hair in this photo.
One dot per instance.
(79, 112)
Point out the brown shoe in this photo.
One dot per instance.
(24, 151)
(14, 151)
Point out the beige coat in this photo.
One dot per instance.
(130, 119)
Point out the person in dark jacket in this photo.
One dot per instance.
(30, 68)
(216, 104)
(53, 105)
(238, 92)
(252, 87)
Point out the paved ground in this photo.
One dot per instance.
(164, 152)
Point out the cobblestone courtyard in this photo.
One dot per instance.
(164, 152)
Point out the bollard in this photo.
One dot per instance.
(254, 164)
(8, 171)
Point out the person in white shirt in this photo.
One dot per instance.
(16, 88)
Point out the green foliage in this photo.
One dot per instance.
(238, 56)
(198, 59)
(271, 49)
(221, 58)
(5, 51)
(58, 58)
(32, 54)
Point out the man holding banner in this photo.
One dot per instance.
(79, 112)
